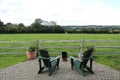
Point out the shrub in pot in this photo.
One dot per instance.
(31, 52)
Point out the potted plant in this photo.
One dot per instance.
(31, 52)
(88, 51)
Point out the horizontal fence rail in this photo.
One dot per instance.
(75, 41)
(13, 42)
(106, 41)
(9, 47)
(12, 52)
(53, 41)
(80, 47)
(39, 45)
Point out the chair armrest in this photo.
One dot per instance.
(43, 57)
(75, 58)
(88, 58)
(56, 58)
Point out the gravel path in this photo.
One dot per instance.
(28, 71)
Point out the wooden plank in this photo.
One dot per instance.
(12, 52)
(75, 41)
(78, 47)
(12, 41)
(107, 53)
(106, 41)
(61, 47)
(60, 41)
(107, 46)
(11, 47)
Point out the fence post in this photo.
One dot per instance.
(37, 47)
(81, 48)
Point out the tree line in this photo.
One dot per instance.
(38, 26)
(42, 26)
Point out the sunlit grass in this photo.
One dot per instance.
(112, 60)
(11, 59)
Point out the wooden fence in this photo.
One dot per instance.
(14, 46)
(80, 42)
(39, 43)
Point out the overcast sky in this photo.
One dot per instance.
(64, 12)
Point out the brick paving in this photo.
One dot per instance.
(28, 71)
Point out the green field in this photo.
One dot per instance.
(18, 43)
(112, 60)
(30, 39)
(11, 59)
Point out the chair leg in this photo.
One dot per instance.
(89, 70)
(40, 71)
(50, 71)
(82, 70)
(71, 63)
(58, 63)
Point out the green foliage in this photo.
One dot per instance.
(38, 26)
(90, 48)
(1, 26)
(15, 28)
(31, 49)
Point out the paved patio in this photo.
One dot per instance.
(28, 71)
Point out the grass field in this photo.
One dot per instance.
(29, 37)
(11, 59)
(19, 38)
(20, 42)
(112, 60)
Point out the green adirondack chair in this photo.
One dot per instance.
(49, 63)
(81, 65)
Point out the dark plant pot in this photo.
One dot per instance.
(64, 59)
(31, 55)
(64, 56)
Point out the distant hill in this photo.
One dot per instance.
(92, 29)
(93, 26)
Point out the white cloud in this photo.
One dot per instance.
(64, 12)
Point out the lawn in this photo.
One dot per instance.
(29, 37)
(112, 60)
(20, 42)
(11, 59)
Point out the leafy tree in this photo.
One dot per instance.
(52, 23)
(38, 21)
(57, 29)
(1, 27)
(1, 24)
(11, 28)
(21, 28)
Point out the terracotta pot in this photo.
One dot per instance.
(31, 55)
